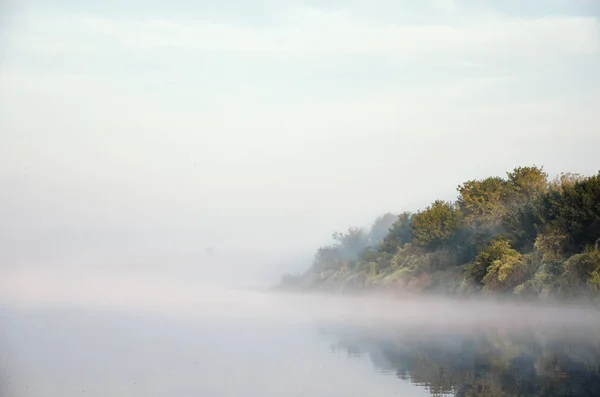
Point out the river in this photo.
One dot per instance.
(247, 343)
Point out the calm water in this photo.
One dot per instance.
(276, 346)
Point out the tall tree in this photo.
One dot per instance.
(525, 184)
(525, 187)
(482, 202)
(437, 225)
(575, 211)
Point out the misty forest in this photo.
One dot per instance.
(523, 235)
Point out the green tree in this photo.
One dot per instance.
(506, 273)
(398, 235)
(574, 212)
(522, 235)
(581, 274)
(525, 184)
(525, 187)
(492, 258)
(521, 225)
(482, 202)
(437, 225)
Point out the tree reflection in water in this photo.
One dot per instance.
(491, 363)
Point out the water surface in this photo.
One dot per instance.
(253, 344)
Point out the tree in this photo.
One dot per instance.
(581, 274)
(575, 212)
(525, 187)
(565, 179)
(521, 235)
(497, 253)
(582, 267)
(521, 225)
(351, 243)
(482, 202)
(381, 227)
(525, 184)
(398, 235)
(437, 225)
(505, 273)
(327, 257)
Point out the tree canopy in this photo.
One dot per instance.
(521, 235)
(437, 225)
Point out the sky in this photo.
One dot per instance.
(134, 135)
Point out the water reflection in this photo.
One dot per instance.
(480, 362)
(266, 346)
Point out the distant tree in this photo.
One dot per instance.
(565, 179)
(351, 243)
(399, 234)
(327, 257)
(437, 225)
(381, 227)
(292, 281)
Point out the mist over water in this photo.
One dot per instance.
(162, 163)
(165, 341)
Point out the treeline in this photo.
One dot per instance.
(522, 235)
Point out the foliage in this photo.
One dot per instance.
(581, 274)
(505, 273)
(574, 210)
(349, 244)
(482, 202)
(399, 234)
(565, 179)
(437, 225)
(525, 184)
(521, 235)
(494, 255)
(521, 225)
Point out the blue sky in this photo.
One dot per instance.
(173, 126)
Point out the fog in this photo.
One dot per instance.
(107, 338)
(163, 164)
(127, 147)
(166, 297)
